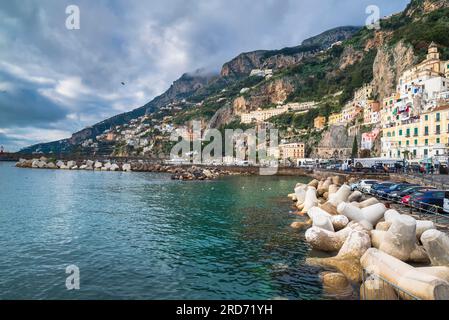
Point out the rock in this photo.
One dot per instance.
(375, 289)
(126, 167)
(355, 196)
(368, 216)
(60, 163)
(98, 165)
(325, 240)
(400, 239)
(422, 226)
(340, 196)
(383, 225)
(366, 203)
(114, 167)
(71, 164)
(83, 167)
(301, 225)
(438, 271)
(310, 200)
(404, 276)
(51, 165)
(436, 244)
(313, 183)
(335, 280)
(339, 222)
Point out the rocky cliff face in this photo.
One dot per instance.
(268, 94)
(389, 64)
(286, 57)
(419, 7)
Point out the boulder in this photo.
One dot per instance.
(310, 200)
(436, 244)
(324, 240)
(51, 165)
(366, 203)
(404, 276)
(126, 167)
(98, 165)
(314, 183)
(114, 167)
(400, 239)
(60, 163)
(301, 225)
(368, 216)
(347, 261)
(71, 164)
(340, 196)
(375, 289)
(356, 196)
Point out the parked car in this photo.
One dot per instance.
(365, 185)
(408, 191)
(394, 189)
(380, 187)
(427, 200)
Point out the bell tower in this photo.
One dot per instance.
(432, 53)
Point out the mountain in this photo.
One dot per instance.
(327, 68)
(242, 65)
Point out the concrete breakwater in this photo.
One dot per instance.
(378, 251)
(178, 173)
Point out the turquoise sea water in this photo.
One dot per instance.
(144, 236)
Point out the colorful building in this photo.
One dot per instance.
(335, 119)
(421, 137)
(319, 122)
(292, 150)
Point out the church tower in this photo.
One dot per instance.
(432, 53)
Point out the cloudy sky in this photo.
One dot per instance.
(55, 81)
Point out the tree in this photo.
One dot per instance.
(355, 148)
(406, 154)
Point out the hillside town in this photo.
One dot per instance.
(412, 124)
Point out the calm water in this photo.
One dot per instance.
(144, 236)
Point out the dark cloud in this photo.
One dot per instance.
(57, 78)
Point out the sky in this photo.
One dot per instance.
(55, 81)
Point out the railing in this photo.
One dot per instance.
(383, 289)
(421, 210)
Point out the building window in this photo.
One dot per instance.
(414, 152)
(388, 134)
(426, 152)
(438, 130)
(426, 131)
(415, 132)
(416, 142)
(400, 143)
(400, 132)
(437, 116)
(426, 142)
(407, 143)
(438, 140)
(408, 132)
(426, 117)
